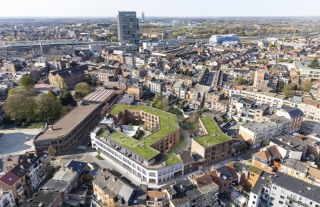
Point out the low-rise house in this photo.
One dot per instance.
(157, 199)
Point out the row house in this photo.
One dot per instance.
(26, 176)
(310, 108)
(6, 198)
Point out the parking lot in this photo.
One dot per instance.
(15, 141)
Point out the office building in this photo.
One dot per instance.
(142, 17)
(128, 28)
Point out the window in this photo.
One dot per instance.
(274, 187)
(253, 202)
(281, 202)
(282, 197)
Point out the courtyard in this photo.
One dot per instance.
(16, 141)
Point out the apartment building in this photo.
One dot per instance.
(310, 108)
(141, 157)
(156, 86)
(257, 133)
(67, 132)
(260, 84)
(213, 145)
(295, 114)
(157, 199)
(306, 71)
(271, 99)
(6, 198)
(137, 91)
(283, 190)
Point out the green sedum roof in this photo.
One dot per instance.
(214, 136)
(168, 124)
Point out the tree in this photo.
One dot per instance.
(82, 89)
(314, 64)
(26, 82)
(61, 83)
(51, 95)
(47, 108)
(12, 91)
(17, 106)
(159, 105)
(51, 150)
(306, 86)
(130, 127)
(66, 98)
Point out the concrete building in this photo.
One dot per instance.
(67, 132)
(128, 28)
(6, 198)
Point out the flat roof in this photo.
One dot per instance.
(67, 123)
(214, 136)
(98, 95)
(168, 124)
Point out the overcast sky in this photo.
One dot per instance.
(170, 8)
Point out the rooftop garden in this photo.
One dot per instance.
(214, 136)
(168, 125)
(254, 169)
(171, 159)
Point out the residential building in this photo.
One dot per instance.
(208, 188)
(306, 71)
(224, 177)
(310, 108)
(256, 133)
(213, 145)
(145, 159)
(268, 159)
(260, 84)
(66, 133)
(68, 77)
(157, 199)
(295, 114)
(109, 190)
(137, 91)
(6, 198)
(128, 28)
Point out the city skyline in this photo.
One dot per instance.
(165, 8)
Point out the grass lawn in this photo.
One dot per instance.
(214, 136)
(99, 157)
(31, 125)
(180, 147)
(39, 124)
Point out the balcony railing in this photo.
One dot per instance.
(295, 203)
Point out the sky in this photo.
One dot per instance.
(160, 8)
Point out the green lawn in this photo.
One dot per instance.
(31, 125)
(168, 124)
(101, 133)
(254, 169)
(99, 157)
(214, 136)
(171, 159)
(180, 147)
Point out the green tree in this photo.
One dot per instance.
(314, 64)
(82, 89)
(48, 108)
(51, 95)
(306, 86)
(12, 91)
(289, 90)
(159, 105)
(26, 82)
(19, 106)
(51, 150)
(66, 98)
(130, 127)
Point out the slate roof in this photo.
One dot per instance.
(77, 166)
(70, 71)
(293, 112)
(297, 186)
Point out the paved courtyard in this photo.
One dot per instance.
(13, 141)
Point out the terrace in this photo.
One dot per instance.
(214, 136)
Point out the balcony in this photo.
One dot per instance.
(20, 190)
(295, 203)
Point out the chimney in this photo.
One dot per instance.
(50, 127)
(62, 168)
(71, 168)
(114, 179)
(105, 178)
